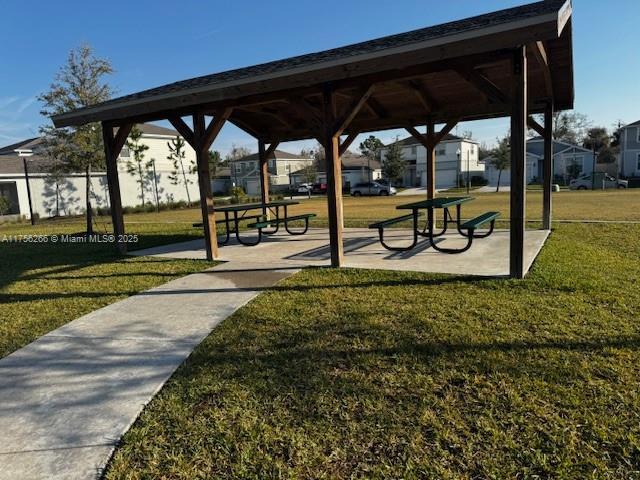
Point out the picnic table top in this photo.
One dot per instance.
(254, 206)
(439, 202)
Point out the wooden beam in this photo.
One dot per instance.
(203, 137)
(214, 128)
(423, 95)
(540, 52)
(184, 130)
(431, 159)
(539, 129)
(271, 150)
(450, 125)
(121, 137)
(418, 136)
(485, 86)
(334, 178)
(518, 162)
(346, 143)
(361, 98)
(263, 168)
(547, 169)
(112, 146)
(377, 109)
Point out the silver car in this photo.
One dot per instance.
(587, 182)
(372, 188)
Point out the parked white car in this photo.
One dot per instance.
(304, 188)
(586, 182)
(372, 188)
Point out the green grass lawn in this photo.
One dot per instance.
(371, 374)
(44, 286)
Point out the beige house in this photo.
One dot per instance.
(66, 195)
(282, 166)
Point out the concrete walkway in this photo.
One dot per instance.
(67, 398)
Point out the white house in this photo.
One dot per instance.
(630, 150)
(245, 171)
(454, 157)
(66, 195)
(569, 161)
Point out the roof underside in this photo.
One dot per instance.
(455, 71)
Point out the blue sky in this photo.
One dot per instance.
(154, 42)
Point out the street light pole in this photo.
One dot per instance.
(467, 171)
(24, 154)
(459, 155)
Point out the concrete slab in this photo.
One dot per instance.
(67, 398)
(486, 257)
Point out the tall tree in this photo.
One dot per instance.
(393, 164)
(501, 157)
(79, 83)
(136, 164)
(371, 147)
(596, 139)
(570, 127)
(177, 156)
(215, 162)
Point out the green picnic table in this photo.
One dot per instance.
(466, 229)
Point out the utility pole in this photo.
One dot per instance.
(24, 154)
(468, 170)
(155, 184)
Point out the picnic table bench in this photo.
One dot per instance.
(234, 214)
(466, 229)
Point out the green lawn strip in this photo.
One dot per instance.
(45, 285)
(374, 374)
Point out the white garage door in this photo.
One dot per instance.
(445, 178)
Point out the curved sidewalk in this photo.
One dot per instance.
(67, 398)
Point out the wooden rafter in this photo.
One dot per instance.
(360, 99)
(377, 109)
(483, 84)
(271, 150)
(539, 129)
(346, 143)
(423, 95)
(418, 136)
(540, 52)
(214, 128)
(121, 137)
(445, 131)
(183, 129)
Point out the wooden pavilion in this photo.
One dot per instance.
(514, 62)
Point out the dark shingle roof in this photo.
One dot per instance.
(12, 164)
(279, 154)
(347, 53)
(535, 146)
(405, 142)
(634, 124)
(28, 144)
(151, 129)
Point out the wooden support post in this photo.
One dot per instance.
(431, 160)
(331, 143)
(518, 162)
(204, 182)
(263, 166)
(547, 170)
(112, 146)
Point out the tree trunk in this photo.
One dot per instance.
(499, 176)
(186, 185)
(57, 199)
(88, 198)
(141, 183)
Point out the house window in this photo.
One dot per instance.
(638, 163)
(124, 153)
(413, 150)
(574, 166)
(442, 151)
(272, 163)
(638, 132)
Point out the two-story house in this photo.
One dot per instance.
(454, 157)
(65, 194)
(630, 150)
(569, 161)
(245, 171)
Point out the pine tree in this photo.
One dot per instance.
(177, 156)
(136, 164)
(79, 83)
(393, 164)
